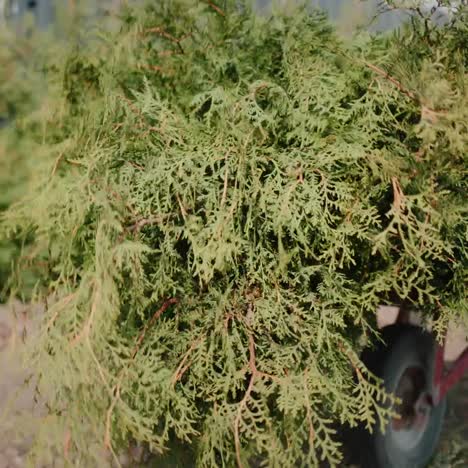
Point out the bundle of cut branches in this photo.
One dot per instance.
(222, 203)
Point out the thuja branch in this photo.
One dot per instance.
(280, 147)
(117, 387)
(245, 399)
(308, 411)
(427, 113)
(392, 80)
(161, 32)
(183, 365)
(255, 374)
(149, 325)
(215, 8)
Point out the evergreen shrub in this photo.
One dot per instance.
(222, 202)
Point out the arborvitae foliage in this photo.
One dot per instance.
(19, 93)
(26, 54)
(222, 203)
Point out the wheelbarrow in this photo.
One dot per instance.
(410, 362)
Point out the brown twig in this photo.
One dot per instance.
(56, 164)
(161, 32)
(155, 317)
(75, 162)
(255, 374)
(430, 115)
(390, 78)
(182, 208)
(85, 334)
(182, 367)
(117, 386)
(223, 198)
(309, 412)
(427, 113)
(65, 301)
(351, 360)
(398, 195)
(136, 165)
(85, 331)
(154, 68)
(141, 124)
(117, 196)
(237, 421)
(138, 225)
(132, 106)
(107, 436)
(67, 443)
(167, 53)
(216, 8)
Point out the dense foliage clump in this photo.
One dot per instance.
(27, 56)
(19, 93)
(221, 204)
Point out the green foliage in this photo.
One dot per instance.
(25, 58)
(221, 204)
(18, 97)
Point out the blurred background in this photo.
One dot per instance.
(345, 11)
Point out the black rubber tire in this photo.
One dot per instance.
(403, 347)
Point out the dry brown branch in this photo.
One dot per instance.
(390, 78)
(223, 198)
(136, 165)
(427, 113)
(255, 374)
(139, 224)
(351, 360)
(167, 53)
(132, 106)
(155, 317)
(215, 8)
(182, 208)
(398, 195)
(238, 419)
(75, 162)
(430, 115)
(161, 32)
(56, 164)
(107, 436)
(141, 124)
(154, 68)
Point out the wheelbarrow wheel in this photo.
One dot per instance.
(405, 362)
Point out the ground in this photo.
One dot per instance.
(453, 451)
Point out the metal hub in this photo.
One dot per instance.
(414, 410)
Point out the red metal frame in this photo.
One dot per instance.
(444, 381)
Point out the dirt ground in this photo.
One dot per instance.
(453, 450)
(16, 325)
